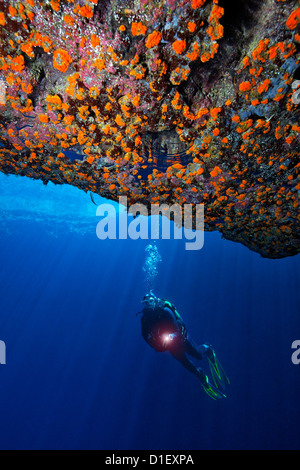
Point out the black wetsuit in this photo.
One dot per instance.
(163, 320)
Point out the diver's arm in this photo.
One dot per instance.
(178, 320)
(176, 316)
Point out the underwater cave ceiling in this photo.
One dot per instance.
(165, 101)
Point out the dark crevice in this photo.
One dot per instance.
(255, 117)
(239, 19)
(296, 75)
(238, 14)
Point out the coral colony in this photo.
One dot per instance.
(93, 94)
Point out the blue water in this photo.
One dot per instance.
(78, 374)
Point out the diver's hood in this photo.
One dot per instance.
(149, 300)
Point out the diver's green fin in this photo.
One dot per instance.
(218, 374)
(210, 389)
(212, 392)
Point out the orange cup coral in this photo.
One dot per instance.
(61, 60)
(138, 29)
(153, 39)
(294, 19)
(179, 46)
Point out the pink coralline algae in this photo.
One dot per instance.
(173, 101)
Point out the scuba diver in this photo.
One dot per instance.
(163, 329)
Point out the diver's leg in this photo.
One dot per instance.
(217, 371)
(212, 391)
(189, 365)
(192, 349)
(181, 357)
